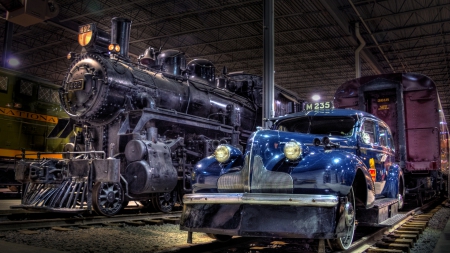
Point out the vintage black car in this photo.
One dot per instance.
(311, 176)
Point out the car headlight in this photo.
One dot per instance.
(292, 150)
(222, 153)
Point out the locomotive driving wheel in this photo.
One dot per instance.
(344, 242)
(107, 198)
(165, 201)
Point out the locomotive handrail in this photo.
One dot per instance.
(38, 154)
(163, 114)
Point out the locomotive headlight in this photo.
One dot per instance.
(222, 153)
(84, 38)
(292, 150)
(114, 48)
(85, 34)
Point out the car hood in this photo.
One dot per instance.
(266, 169)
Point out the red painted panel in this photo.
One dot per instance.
(421, 109)
(422, 149)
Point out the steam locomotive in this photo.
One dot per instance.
(138, 128)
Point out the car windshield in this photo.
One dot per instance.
(329, 125)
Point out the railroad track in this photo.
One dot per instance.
(401, 236)
(397, 237)
(133, 219)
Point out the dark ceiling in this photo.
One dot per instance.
(315, 40)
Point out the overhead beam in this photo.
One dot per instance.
(407, 12)
(103, 10)
(340, 19)
(402, 28)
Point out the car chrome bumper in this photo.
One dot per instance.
(261, 199)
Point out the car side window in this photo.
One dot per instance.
(383, 137)
(368, 132)
(391, 143)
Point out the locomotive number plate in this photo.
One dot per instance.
(76, 85)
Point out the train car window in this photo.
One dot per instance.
(3, 83)
(48, 95)
(26, 88)
(368, 132)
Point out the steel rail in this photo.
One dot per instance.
(366, 242)
(78, 221)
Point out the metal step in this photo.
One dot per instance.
(384, 209)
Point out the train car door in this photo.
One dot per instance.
(382, 103)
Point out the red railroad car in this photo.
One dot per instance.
(409, 103)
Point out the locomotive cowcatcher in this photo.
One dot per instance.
(138, 128)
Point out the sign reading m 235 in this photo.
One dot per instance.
(318, 106)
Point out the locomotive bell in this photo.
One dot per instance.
(149, 57)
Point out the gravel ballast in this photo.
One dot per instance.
(430, 236)
(107, 238)
(158, 238)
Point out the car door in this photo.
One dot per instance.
(373, 153)
(386, 156)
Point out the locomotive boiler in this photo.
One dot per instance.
(138, 128)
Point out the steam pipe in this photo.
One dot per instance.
(371, 35)
(358, 50)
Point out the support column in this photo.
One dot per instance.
(269, 62)
(7, 41)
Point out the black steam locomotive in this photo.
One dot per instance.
(139, 128)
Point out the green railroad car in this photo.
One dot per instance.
(29, 110)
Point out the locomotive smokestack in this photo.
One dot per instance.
(120, 34)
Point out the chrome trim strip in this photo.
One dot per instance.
(261, 199)
(321, 145)
(377, 150)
